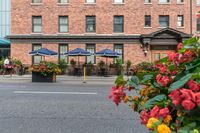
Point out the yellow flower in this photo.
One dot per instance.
(151, 122)
(196, 131)
(126, 98)
(135, 98)
(163, 129)
(167, 119)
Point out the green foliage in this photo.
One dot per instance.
(62, 64)
(120, 81)
(180, 83)
(119, 64)
(128, 63)
(72, 62)
(157, 100)
(101, 64)
(16, 62)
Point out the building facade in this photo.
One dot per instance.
(142, 30)
(4, 27)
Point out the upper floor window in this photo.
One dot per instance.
(198, 2)
(63, 1)
(36, 1)
(90, 1)
(90, 23)
(147, 1)
(180, 21)
(180, 1)
(198, 24)
(164, 21)
(118, 24)
(63, 24)
(36, 24)
(118, 1)
(164, 1)
(147, 19)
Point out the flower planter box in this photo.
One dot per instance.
(38, 77)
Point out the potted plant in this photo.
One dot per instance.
(198, 14)
(128, 65)
(62, 64)
(44, 72)
(169, 101)
(89, 68)
(18, 66)
(101, 66)
(119, 66)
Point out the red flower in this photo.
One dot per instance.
(155, 112)
(175, 96)
(172, 56)
(188, 105)
(164, 112)
(117, 94)
(144, 116)
(187, 94)
(163, 80)
(180, 46)
(162, 68)
(193, 86)
(197, 95)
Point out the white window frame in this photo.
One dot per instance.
(164, 1)
(90, 1)
(118, 1)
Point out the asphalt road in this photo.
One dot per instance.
(63, 107)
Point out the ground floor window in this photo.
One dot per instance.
(159, 52)
(91, 48)
(119, 48)
(63, 48)
(36, 59)
(4, 52)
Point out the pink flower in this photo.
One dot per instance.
(164, 112)
(180, 45)
(162, 68)
(188, 105)
(197, 95)
(187, 94)
(175, 96)
(172, 56)
(144, 116)
(193, 85)
(117, 94)
(155, 112)
(163, 80)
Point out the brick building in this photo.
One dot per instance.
(142, 30)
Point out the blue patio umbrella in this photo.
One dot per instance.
(43, 52)
(108, 54)
(78, 52)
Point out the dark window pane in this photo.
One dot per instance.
(147, 21)
(90, 24)
(118, 24)
(164, 21)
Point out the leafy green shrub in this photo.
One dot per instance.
(62, 64)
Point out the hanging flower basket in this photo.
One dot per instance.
(198, 14)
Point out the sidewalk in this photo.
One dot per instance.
(60, 78)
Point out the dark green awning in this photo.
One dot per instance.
(4, 42)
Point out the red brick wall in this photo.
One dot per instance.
(133, 11)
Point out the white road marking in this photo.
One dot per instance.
(66, 93)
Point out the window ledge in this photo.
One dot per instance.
(90, 33)
(148, 3)
(36, 4)
(147, 27)
(118, 3)
(162, 27)
(62, 4)
(64, 33)
(180, 27)
(90, 3)
(164, 3)
(197, 32)
(180, 3)
(36, 33)
(118, 33)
